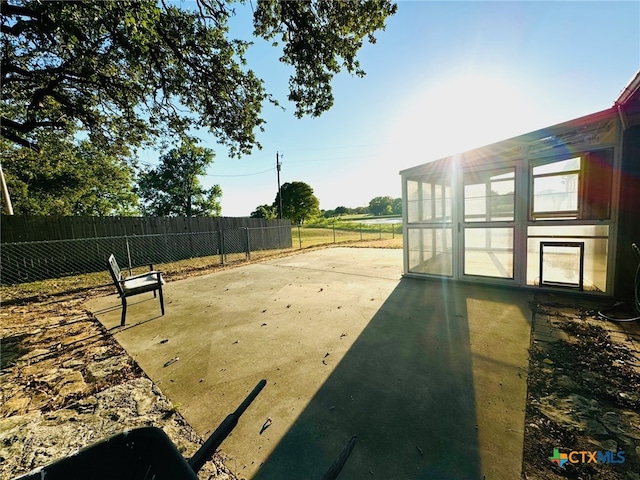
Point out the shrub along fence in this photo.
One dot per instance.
(29, 261)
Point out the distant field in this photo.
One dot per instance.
(359, 217)
(317, 235)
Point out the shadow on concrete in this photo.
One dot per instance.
(405, 388)
(132, 319)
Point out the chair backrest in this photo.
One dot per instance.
(114, 270)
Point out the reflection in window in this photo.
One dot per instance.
(596, 245)
(412, 201)
(430, 251)
(562, 264)
(488, 252)
(429, 202)
(489, 196)
(555, 189)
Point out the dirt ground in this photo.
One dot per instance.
(65, 383)
(583, 392)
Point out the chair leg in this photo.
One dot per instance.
(124, 311)
(161, 300)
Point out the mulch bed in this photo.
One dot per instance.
(583, 394)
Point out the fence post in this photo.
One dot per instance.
(393, 230)
(380, 236)
(126, 239)
(334, 231)
(246, 230)
(221, 246)
(360, 232)
(299, 236)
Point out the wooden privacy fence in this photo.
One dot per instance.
(21, 228)
(29, 261)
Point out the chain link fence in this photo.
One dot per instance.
(23, 262)
(337, 232)
(30, 261)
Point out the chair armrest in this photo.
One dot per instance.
(146, 274)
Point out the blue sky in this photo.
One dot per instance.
(443, 77)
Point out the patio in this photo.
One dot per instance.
(430, 375)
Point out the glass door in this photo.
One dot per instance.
(488, 224)
(429, 225)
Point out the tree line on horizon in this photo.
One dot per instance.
(299, 204)
(172, 188)
(377, 206)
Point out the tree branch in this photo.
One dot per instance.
(10, 10)
(43, 92)
(18, 140)
(29, 126)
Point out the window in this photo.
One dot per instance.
(488, 252)
(575, 188)
(555, 189)
(563, 265)
(430, 251)
(429, 215)
(488, 196)
(429, 201)
(489, 207)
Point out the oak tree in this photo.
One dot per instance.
(174, 189)
(381, 206)
(68, 178)
(131, 72)
(298, 202)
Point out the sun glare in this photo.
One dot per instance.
(459, 113)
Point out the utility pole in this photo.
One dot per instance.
(278, 164)
(8, 208)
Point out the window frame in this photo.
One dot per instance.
(468, 218)
(556, 214)
(469, 176)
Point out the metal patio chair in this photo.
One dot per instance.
(150, 281)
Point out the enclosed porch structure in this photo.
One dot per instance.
(547, 209)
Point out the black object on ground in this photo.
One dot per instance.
(140, 454)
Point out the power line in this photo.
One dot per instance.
(342, 147)
(331, 159)
(218, 175)
(243, 174)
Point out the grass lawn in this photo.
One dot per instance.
(316, 235)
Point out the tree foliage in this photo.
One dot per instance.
(319, 39)
(129, 72)
(298, 202)
(122, 70)
(377, 206)
(381, 206)
(341, 210)
(396, 206)
(268, 212)
(174, 189)
(64, 178)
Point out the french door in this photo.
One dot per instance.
(486, 224)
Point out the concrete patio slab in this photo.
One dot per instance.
(431, 376)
